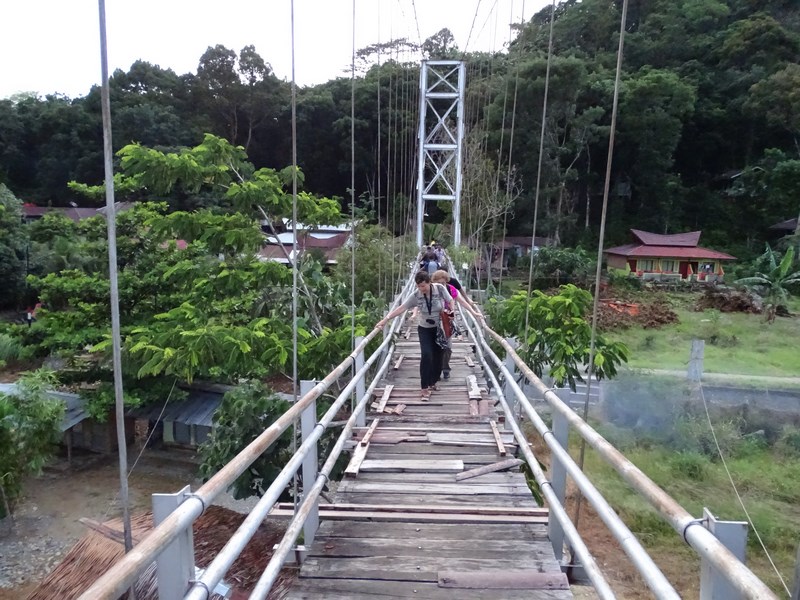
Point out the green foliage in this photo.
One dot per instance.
(558, 336)
(10, 349)
(100, 401)
(13, 244)
(555, 266)
(30, 423)
(775, 282)
(244, 414)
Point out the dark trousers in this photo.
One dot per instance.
(446, 354)
(430, 361)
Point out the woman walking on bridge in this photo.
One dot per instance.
(430, 299)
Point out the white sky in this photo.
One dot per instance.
(51, 46)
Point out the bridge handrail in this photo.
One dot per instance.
(652, 575)
(122, 575)
(690, 528)
(272, 570)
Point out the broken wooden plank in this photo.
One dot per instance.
(370, 432)
(473, 408)
(511, 579)
(473, 391)
(385, 398)
(503, 465)
(501, 449)
(483, 408)
(469, 360)
(398, 410)
(398, 362)
(359, 454)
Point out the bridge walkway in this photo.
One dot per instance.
(408, 520)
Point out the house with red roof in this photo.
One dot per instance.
(655, 256)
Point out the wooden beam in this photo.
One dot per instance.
(477, 509)
(398, 362)
(423, 466)
(370, 432)
(385, 398)
(106, 531)
(501, 449)
(398, 410)
(507, 579)
(473, 408)
(359, 454)
(503, 465)
(470, 363)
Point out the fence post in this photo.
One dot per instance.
(733, 535)
(175, 565)
(695, 372)
(361, 389)
(558, 481)
(308, 421)
(507, 391)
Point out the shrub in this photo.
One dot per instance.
(689, 464)
(789, 441)
(10, 349)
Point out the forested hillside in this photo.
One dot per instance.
(707, 139)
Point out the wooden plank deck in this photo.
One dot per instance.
(404, 526)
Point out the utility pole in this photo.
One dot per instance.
(111, 222)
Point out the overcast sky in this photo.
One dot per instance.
(53, 45)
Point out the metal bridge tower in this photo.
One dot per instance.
(441, 136)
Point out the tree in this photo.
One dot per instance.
(30, 426)
(13, 248)
(775, 282)
(244, 414)
(559, 336)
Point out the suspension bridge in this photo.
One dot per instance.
(432, 503)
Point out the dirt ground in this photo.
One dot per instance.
(47, 519)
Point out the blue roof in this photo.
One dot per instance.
(74, 413)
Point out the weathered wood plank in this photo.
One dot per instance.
(473, 391)
(387, 487)
(487, 549)
(406, 466)
(440, 531)
(385, 397)
(442, 477)
(466, 500)
(398, 362)
(368, 589)
(501, 449)
(523, 579)
(359, 454)
(410, 517)
(468, 360)
(498, 466)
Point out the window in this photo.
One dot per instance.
(645, 265)
(668, 266)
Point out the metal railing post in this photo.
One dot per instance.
(361, 419)
(175, 565)
(733, 535)
(558, 480)
(508, 392)
(308, 421)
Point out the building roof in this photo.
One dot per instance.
(690, 239)
(676, 245)
(77, 213)
(74, 405)
(95, 553)
(525, 241)
(787, 225)
(642, 251)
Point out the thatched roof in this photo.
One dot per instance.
(95, 553)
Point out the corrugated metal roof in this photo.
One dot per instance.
(74, 412)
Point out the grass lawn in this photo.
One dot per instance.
(735, 342)
(770, 489)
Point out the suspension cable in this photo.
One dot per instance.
(295, 262)
(539, 167)
(606, 186)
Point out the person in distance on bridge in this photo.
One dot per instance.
(443, 277)
(430, 299)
